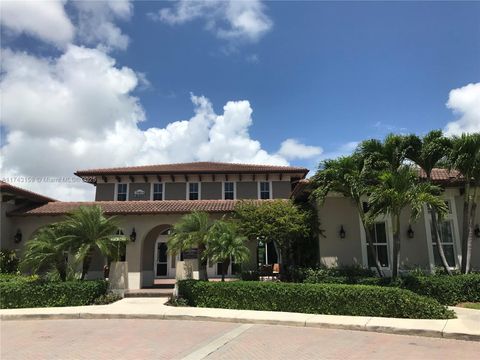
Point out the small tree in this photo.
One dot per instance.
(191, 231)
(46, 251)
(465, 157)
(88, 229)
(278, 220)
(224, 243)
(397, 191)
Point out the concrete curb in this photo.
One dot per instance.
(428, 328)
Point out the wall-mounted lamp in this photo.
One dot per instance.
(17, 237)
(410, 232)
(342, 232)
(477, 231)
(133, 235)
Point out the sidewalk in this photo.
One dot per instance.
(465, 327)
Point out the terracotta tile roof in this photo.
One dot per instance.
(193, 168)
(6, 188)
(444, 175)
(136, 207)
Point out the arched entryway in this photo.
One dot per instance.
(157, 263)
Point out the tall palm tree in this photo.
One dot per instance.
(465, 157)
(397, 191)
(46, 251)
(89, 229)
(351, 177)
(427, 152)
(191, 231)
(225, 243)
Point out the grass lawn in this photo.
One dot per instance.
(475, 306)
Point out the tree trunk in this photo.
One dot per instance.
(202, 263)
(471, 225)
(61, 269)
(225, 265)
(437, 240)
(371, 250)
(86, 263)
(396, 247)
(466, 207)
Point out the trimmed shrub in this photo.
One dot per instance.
(334, 299)
(27, 292)
(447, 290)
(107, 299)
(8, 261)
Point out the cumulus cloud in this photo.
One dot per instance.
(45, 20)
(77, 111)
(292, 149)
(232, 20)
(465, 102)
(96, 22)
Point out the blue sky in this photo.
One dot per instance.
(326, 74)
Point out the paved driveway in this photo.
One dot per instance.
(175, 339)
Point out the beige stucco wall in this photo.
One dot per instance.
(337, 211)
(413, 252)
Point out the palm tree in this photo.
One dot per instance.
(191, 231)
(89, 229)
(351, 177)
(465, 157)
(225, 243)
(397, 191)
(46, 251)
(427, 153)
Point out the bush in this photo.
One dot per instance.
(25, 292)
(331, 299)
(338, 275)
(8, 261)
(107, 299)
(447, 290)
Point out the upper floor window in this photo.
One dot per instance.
(193, 191)
(158, 191)
(264, 190)
(228, 190)
(122, 192)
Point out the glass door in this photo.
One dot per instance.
(161, 263)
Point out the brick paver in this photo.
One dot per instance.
(172, 339)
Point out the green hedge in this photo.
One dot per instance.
(331, 299)
(448, 290)
(27, 292)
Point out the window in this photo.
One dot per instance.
(158, 191)
(264, 190)
(379, 237)
(122, 192)
(193, 191)
(267, 253)
(228, 191)
(445, 228)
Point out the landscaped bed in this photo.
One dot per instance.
(333, 299)
(18, 291)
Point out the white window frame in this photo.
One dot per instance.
(199, 190)
(116, 190)
(376, 243)
(234, 189)
(363, 239)
(152, 187)
(452, 217)
(259, 188)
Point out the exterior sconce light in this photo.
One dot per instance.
(17, 237)
(342, 232)
(410, 232)
(477, 231)
(133, 235)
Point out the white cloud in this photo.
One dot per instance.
(291, 149)
(232, 19)
(46, 20)
(465, 102)
(77, 111)
(96, 22)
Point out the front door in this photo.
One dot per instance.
(161, 259)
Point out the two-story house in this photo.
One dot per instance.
(148, 200)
